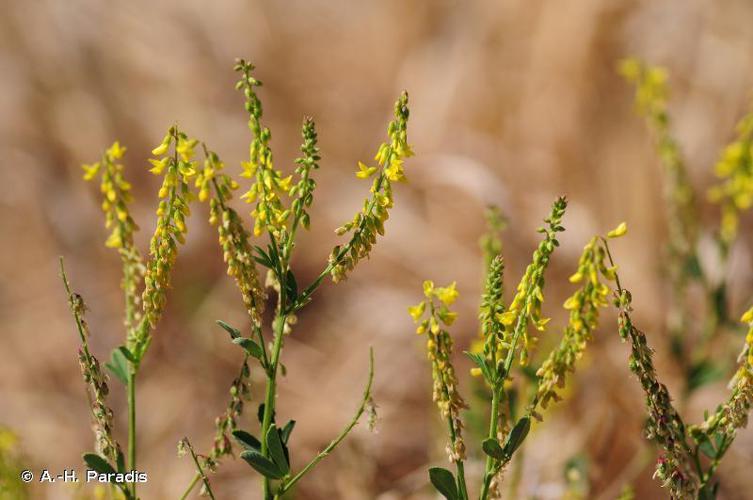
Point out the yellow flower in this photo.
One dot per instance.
(394, 171)
(748, 316)
(417, 311)
(185, 148)
(116, 151)
(90, 171)
(428, 288)
(364, 171)
(159, 165)
(618, 231)
(507, 317)
(284, 184)
(447, 295)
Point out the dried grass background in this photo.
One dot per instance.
(512, 102)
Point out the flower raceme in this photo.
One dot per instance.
(237, 251)
(369, 222)
(439, 351)
(735, 191)
(583, 306)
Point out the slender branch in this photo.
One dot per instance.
(326, 451)
(194, 481)
(200, 471)
(493, 420)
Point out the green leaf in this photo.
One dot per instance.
(517, 436)
(120, 461)
(707, 448)
(276, 450)
(286, 431)
(291, 286)
(252, 348)
(720, 303)
(97, 463)
(234, 332)
(480, 361)
(246, 440)
(492, 448)
(127, 354)
(118, 365)
(263, 465)
(693, 267)
(444, 482)
(263, 258)
(260, 414)
(702, 373)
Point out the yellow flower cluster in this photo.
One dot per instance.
(233, 237)
(584, 307)
(651, 92)
(117, 196)
(175, 195)
(370, 220)
(525, 308)
(735, 169)
(269, 213)
(439, 351)
(116, 193)
(733, 414)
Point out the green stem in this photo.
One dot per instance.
(132, 423)
(459, 466)
(493, 420)
(271, 391)
(199, 470)
(191, 485)
(326, 451)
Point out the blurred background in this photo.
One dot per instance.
(512, 103)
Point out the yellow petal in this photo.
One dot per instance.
(618, 231)
(417, 311)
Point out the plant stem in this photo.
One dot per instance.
(191, 485)
(271, 391)
(199, 469)
(326, 451)
(493, 420)
(463, 489)
(132, 423)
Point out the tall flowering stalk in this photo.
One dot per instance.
(734, 194)
(691, 454)
(144, 284)
(505, 338)
(281, 206)
(439, 345)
